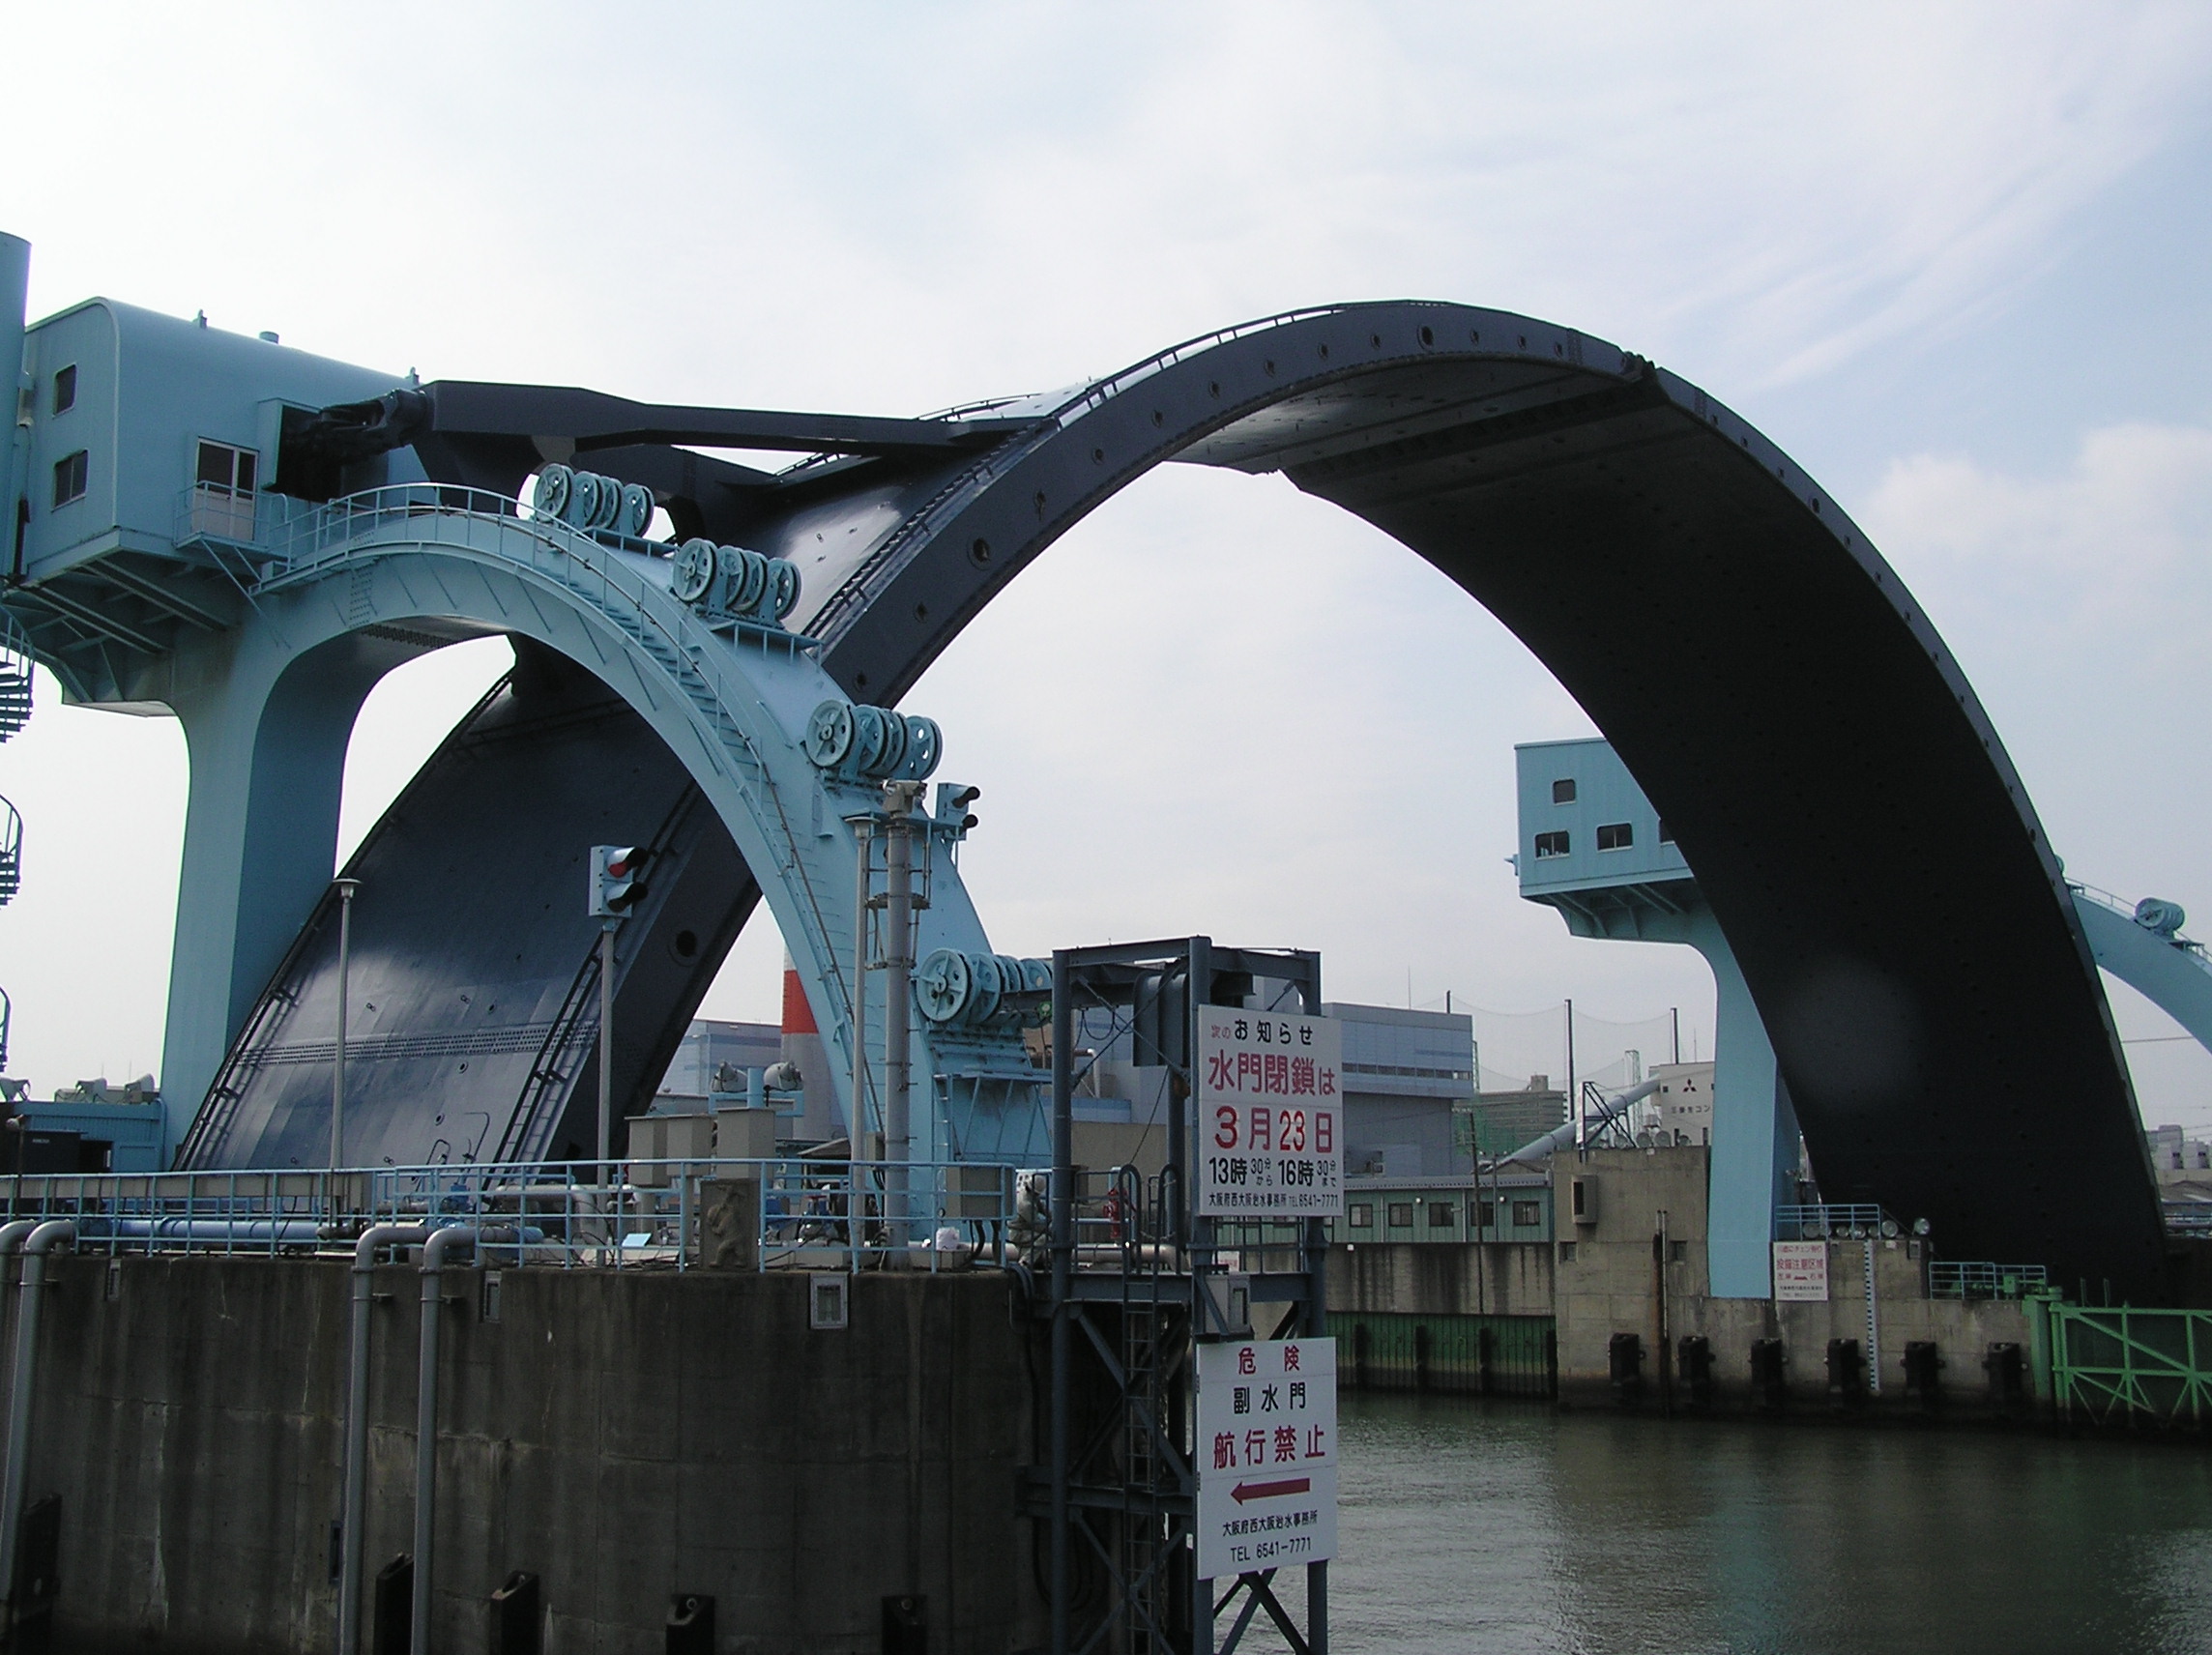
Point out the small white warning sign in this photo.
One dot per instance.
(1267, 1447)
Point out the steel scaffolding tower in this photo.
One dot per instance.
(1138, 1280)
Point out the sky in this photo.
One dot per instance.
(1953, 259)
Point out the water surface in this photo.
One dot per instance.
(1506, 1526)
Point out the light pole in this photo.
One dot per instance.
(613, 890)
(606, 1042)
(346, 888)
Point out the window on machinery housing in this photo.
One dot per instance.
(70, 476)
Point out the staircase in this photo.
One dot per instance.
(14, 714)
(10, 853)
(15, 676)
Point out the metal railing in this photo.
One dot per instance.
(2126, 909)
(2188, 1217)
(1835, 1221)
(794, 1212)
(11, 852)
(2126, 1366)
(959, 489)
(1975, 1278)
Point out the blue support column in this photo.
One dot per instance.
(1628, 881)
(1754, 1164)
(265, 732)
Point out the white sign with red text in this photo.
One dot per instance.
(1266, 1454)
(1271, 1115)
(1801, 1272)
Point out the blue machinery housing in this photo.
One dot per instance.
(249, 536)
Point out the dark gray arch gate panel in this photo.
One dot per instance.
(1854, 821)
(474, 967)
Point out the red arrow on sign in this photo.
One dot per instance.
(1243, 1491)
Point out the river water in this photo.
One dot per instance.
(1477, 1526)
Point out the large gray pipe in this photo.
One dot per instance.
(36, 1246)
(1559, 1137)
(442, 1241)
(356, 1496)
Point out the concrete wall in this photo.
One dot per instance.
(626, 1434)
(1609, 1282)
(1405, 1278)
(1606, 1276)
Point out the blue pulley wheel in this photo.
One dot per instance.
(782, 587)
(636, 514)
(892, 760)
(986, 982)
(867, 740)
(925, 746)
(693, 571)
(551, 494)
(748, 578)
(941, 986)
(583, 506)
(609, 514)
(829, 730)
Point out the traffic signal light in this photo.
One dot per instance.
(616, 884)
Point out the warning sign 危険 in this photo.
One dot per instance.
(1266, 1454)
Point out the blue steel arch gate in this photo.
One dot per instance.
(1819, 756)
(730, 700)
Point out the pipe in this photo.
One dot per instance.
(898, 1006)
(1062, 1218)
(356, 1496)
(345, 890)
(11, 1236)
(41, 1242)
(1559, 1137)
(434, 1252)
(261, 1233)
(16, 450)
(857, 1116)
(607, 1047)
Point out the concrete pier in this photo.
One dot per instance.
(626, 1436)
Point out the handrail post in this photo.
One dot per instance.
(354, 1495)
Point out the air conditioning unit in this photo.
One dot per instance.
(1582, 1199)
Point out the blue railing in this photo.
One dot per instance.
(1834, 1221)
(760, 1214)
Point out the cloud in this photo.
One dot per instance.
(2115, 544)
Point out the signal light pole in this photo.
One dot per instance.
(615, 888)
(345, 890)
(606, 1041)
